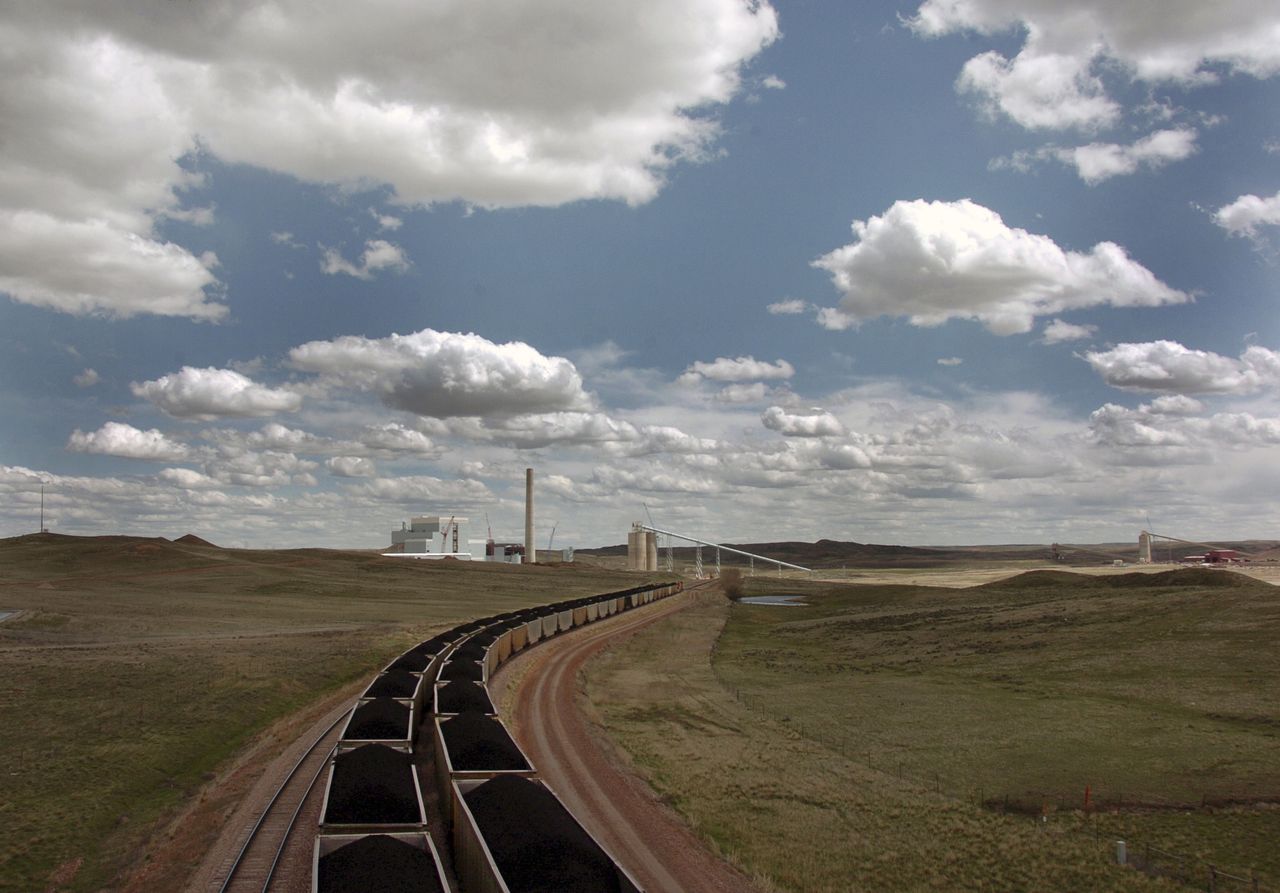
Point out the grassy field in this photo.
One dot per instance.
(1157, 691)
(139, 667)
(797, 813)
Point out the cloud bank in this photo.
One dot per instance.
(486, 104)
(447, 374)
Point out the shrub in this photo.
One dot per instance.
(731, 583)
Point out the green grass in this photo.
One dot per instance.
(1149, 689)
(797, 814)
(139, 668)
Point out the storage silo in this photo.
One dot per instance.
(635, 550)
(650, 550)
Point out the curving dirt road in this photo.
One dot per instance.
(641, 833)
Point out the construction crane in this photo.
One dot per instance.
(444, 535)
(551, 539)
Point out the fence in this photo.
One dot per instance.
(1162, 863)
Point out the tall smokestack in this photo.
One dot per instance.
(530, 550)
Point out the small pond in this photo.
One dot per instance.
(774, 600)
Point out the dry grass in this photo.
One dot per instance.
(140, 667)
(1150, 690)
(796, 812)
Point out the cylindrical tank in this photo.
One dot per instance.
(635, 550)
(1144, 548)
(650, 550)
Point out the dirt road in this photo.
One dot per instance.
(643, 835)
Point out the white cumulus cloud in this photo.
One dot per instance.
(1244, 215)
(1058, 331)
(87, 379)
(1053, 81)
(445, 374)
(1167, 366)
(1039, 89)
(120, 439)
(815, 424)
(788, 307)
(213, 393)
(188, 479)
(379, 254)
(351, 467)
(725, 369)
(935, 261)
(1097, 162)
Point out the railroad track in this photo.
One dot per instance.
(261, 866)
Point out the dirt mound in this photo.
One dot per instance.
(1197, 577)
(536, 843)
(378, 864)
(190, 539)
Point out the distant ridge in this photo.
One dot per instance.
(191, 539)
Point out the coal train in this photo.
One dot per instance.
(507, 830)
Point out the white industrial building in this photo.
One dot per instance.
(435, 536)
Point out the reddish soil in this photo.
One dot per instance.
(644, 835)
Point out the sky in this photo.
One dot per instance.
(945, 272)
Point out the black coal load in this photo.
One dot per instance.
(462, 669)
(461, 696)
(373, 785)
(378, 864)
(379, 720)
(479, 743)
(470, 650)
(411, 661)
(536, 844)
(395, 684)
(434, 645)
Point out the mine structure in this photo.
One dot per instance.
(642, 551)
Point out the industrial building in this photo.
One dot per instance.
(433, 536)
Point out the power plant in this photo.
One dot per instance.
(435, 536)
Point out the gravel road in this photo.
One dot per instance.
(646, 837)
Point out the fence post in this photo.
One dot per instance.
(1213, 879)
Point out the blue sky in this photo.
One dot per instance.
(287, 274)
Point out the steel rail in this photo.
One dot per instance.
(257, 826)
